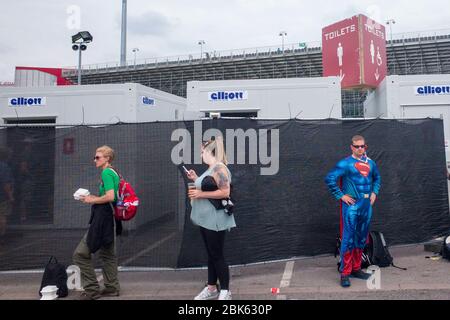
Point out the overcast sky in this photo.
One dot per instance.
(38, 32)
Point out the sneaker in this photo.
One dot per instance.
(207, 294)
(225, 295)
(361, 275)
(345, 281)
(110, 292)
(87, 296)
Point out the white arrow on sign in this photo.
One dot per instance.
(342, 76)
(377, 75)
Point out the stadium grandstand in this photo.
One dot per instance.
(408, 53)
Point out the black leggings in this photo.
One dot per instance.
(217, 267)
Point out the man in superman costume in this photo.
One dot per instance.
(356, 182)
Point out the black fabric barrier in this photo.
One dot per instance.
(292, 214)
(286, 215)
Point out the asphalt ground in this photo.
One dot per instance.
(302, 279)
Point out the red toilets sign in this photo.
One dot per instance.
(355, 50)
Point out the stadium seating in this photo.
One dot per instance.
(408, 55)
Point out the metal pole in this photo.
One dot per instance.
(390, 22)
(123, 41)
(392, 49)
(282, 42)
(79, 64)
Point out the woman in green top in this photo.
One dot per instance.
(101, 234)
(213, 223)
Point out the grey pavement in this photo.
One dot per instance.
(302, 279)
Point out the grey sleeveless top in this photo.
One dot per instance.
(205, 215)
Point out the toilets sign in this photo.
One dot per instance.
(340, 51)
(373, 48)
(355, 50)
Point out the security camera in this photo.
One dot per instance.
(75, 47)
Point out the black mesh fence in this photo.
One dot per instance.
(287, 214)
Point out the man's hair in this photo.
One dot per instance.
(358, 138)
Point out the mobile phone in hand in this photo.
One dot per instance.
(185, 170)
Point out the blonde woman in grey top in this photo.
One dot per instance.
(213, 223)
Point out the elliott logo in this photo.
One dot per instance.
(148, 101)
(228, 95)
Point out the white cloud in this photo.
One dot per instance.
(36, 33)
(150, 23)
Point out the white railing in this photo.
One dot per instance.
(225, 55)
(207, 56)
(419, 34)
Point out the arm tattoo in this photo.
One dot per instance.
(223, 181)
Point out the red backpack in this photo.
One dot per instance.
(127, 200)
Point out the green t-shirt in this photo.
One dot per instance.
(110, 181)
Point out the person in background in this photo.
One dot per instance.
(24, 182)
(6, 191)
(213, 223)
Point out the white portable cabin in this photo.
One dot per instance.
(412, 97)
(91, 104)
(301, 98)
(67, 157)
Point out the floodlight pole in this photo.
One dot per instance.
(79, 64)
(390, 22)
(201, 43)
(85, 38)
(282, 34)
(123, 38)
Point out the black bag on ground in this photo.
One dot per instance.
(375, 252)
(55, 274)
(445, 251)
(378, 251)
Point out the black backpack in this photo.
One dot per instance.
(445, 251)
(378, 251)
(55, 274)
(375, 252)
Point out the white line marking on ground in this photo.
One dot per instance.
(286, 279)
(140, 254)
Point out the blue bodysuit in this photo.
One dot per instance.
(358, 179)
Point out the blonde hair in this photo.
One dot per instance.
(217, 149)
(107, 152)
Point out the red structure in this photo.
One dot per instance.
(57, 72)
(355, 50)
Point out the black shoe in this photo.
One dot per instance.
(108, 292)
(89, 296)
(361, 275)
(345, 281)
